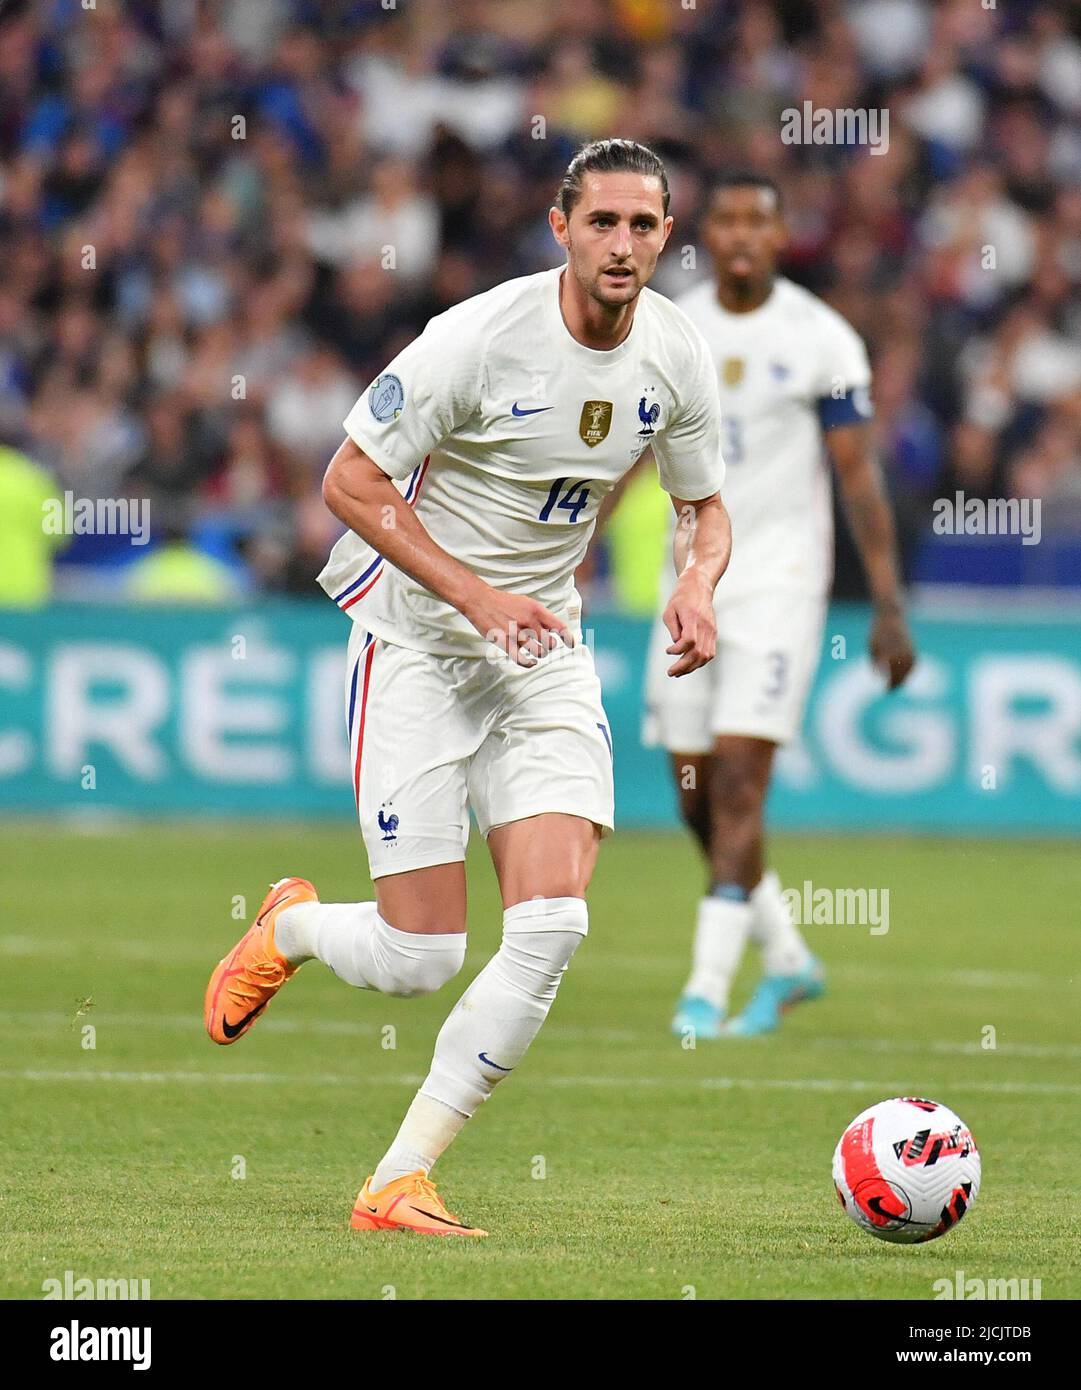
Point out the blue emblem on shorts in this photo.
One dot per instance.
(779, 371)
(386, 396)
(389, 826)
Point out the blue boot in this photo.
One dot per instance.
(704, 1018)
(775, 995)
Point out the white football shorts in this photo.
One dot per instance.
(768, 646)
(432, 736)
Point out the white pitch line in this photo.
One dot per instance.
(175, 1023)
(1008, 1051)
(855, 972)
(793, 1083)
(709, 1083)
(93, 951)
(48, 1021)
(199, 1078)
(957, 979)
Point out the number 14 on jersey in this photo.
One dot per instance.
(573, 499)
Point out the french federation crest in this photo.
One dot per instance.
(595, 423)
(648, 416)
(732, 371)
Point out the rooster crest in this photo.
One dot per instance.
(648, 417)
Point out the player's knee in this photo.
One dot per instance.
(736, 793)
(534, 963)
(415, 963)
(695, 811)
(539, 939)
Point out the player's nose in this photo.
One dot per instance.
(621, 243)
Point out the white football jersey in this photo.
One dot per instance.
(506, 433)
(787, 371)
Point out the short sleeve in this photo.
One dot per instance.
(844, 383)
(688, 449)
(430, 388)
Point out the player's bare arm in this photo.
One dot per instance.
(702, 546)
(871, 520)
(365, 499)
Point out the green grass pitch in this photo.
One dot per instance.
(615, 1164)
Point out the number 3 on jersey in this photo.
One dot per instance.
(572, 501)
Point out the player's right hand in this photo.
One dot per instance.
(519, 626)
(891, 645)
(692, 623)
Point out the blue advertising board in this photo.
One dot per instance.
(239, 712)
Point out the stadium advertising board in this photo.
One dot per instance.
(239, 712)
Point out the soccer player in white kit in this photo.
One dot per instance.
(470, 480)
(795, 386)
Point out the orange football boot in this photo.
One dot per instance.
(407, 1204)
(247, 979)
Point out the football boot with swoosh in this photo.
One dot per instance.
(247, 979)
(407, 1204)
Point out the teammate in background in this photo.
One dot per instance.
(794, 376)
(470, 480)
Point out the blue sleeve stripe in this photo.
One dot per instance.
(853, 408)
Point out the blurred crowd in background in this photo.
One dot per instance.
(218, 221)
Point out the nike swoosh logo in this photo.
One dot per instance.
(232, 1029)
(489, 1063)
(876, 1206)
(535, 410)
(432, 1216)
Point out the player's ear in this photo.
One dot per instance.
(666, 230)
(557, 220)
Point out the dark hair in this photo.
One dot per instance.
(743, 178)
(609, 157)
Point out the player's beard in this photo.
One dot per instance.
(611, 296)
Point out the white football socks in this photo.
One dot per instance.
(499, 1015)
(363, 950)
(784, 951)
(719, 939)
(487, 1032)
(427, 1129)
(489, 1029)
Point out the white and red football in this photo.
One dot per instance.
(906, 1170)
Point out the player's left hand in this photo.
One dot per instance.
(690, 618)
(891, 646)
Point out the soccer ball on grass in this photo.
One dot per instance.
(906, 1170)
